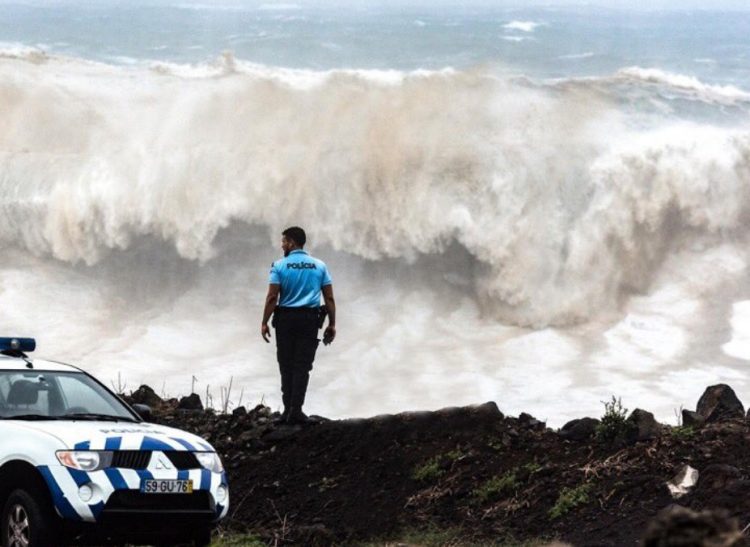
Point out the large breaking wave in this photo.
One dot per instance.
(140, 206)
(562, 198)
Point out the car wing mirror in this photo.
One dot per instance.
(144, 411)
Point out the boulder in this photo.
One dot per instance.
(144, 395)
(719, 403)
(692, 419)
(191, 402)
(528, 421)
(718, 477)
(677, 525)
(488, 409)
(580, 429)
(643, 426)
(239, 411)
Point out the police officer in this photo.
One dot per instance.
(294, 288)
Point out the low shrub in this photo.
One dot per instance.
(614, 424)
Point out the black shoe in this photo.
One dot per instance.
(283, 417)
(296, 416)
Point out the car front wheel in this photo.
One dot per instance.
(27, 522)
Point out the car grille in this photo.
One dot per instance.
(131, 459)
(183, 460)
(133, 500)
(138, 459)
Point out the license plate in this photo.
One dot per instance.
(167, 486)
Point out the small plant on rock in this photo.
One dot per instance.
(570, 498)
(532, 467)
(614, 423)
(496, 486)
(436, 466)
(429, 470)
(682, 432)
(454, 455)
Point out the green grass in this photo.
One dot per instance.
(238, 540)
(570, 498)
(449, 537)
(496, 486)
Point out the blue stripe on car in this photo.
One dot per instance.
(149, 443)
(205, 479)
(183, 475)
(96, 509)
(80, 477)
(85, 445)
(58, 498)
(116, 478)
(184, 443)
(112, 443)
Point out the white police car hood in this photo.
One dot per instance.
(107, 435)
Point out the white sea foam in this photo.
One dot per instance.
(139, 210)
(574, 56)
(523, 26)
(685, 84)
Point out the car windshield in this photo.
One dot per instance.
(39, 395)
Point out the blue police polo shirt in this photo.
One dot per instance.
(301, 278)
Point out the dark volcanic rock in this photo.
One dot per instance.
(718, 477)
(580, 429)
(527, 420)
(692, 419)
(191, 402)
(644, 426)
(488, 409)
(344, 482)
(144, 395)
(239, 411)
(678, 525)
(718, 403)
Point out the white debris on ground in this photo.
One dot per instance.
(683, 481)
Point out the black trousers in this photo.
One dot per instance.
(296, 344)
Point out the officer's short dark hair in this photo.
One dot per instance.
(296, 234)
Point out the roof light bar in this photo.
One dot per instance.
(17, 344)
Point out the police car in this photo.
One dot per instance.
(78, 465)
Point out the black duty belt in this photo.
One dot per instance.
(302, 310)
(318, 312)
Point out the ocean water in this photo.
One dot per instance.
(540, 207)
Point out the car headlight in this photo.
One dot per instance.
(210, 461)
(85, 460)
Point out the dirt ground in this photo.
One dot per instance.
(487, 478)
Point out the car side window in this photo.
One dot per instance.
(78, 397)
(25, 393)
